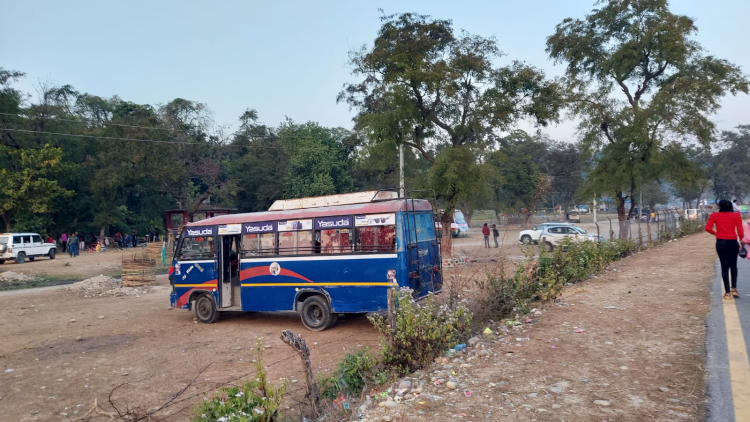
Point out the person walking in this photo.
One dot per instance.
(728, 226)
(486, 233)
(64, 241)
(735, 207)
(134, 238)
(73, 243)
(495, 235)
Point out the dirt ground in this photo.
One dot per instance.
(626, 345)
(653, 337)
(59, 366)
(63, 267)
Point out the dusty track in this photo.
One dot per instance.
(141, 341)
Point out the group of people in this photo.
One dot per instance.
(486, 233)
(72, 244)
(131, 240)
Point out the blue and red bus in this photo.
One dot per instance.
(308, 256)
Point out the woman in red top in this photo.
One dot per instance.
(728, 226)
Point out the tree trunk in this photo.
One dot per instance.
(101, 232)
(527, 218)
(468, 216)
(6, 220)
(624, 216)
(197, 203)
(446, 245)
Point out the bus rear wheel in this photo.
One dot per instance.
(205, 309)
(316, 314)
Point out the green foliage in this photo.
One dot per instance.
(435, 90)
(668, 88)
(352, 374)
(422, 332)
(730, 167)
(255, 401)
(318, 159)
(545, 278)
(28, 185)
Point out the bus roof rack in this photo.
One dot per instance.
(331, 200)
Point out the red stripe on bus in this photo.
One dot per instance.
(266, 270)
(182, 300)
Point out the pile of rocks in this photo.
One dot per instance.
(14, 277)
(104, 286)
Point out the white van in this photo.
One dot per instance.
(19, 246)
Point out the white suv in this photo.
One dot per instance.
(20, 246)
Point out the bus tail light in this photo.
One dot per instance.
(413, 274)
(436, 268)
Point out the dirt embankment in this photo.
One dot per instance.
(626, 345)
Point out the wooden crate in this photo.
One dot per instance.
(138, 269)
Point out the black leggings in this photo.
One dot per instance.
(727, 250)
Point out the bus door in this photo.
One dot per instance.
(229, 265)
(428, 252)
(411, 242)
(195, 265)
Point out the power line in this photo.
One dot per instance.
(112, 138)
(84, 121)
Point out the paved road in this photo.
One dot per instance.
(727, 342)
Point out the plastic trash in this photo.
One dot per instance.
(487, 331)
(460, 347)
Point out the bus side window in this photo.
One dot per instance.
(376, 239)
(334, 241)
(255, 244)
(296, 242)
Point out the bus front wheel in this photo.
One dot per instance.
(316, 314)
(205, 309)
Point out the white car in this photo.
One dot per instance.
(19, 246)
(532, 236)
(552, 236)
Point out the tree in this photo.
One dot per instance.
(28, 186)
(318, 159)
(257, 165)
(668, 89)
(730, 166)
(563, 167)
(423, 85)
(522, 183)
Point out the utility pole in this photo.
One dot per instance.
(401, 184)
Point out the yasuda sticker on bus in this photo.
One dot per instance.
(333, 222)
(199, 231)
(267, 227)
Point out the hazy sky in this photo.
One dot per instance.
(285, 58)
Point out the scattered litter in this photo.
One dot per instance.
(610, 307)
(487, 331)
(580, 330)
(460, 347)
(9, 370)
(467, 393)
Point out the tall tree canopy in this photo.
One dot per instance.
(638, 80)
(425, 86)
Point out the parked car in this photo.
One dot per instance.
(19, 246)
(552, 236)
(532, 236)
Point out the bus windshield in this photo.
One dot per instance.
(458, 217)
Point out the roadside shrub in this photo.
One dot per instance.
(505, 293)
(254, 401)
(352, 374)
(422, 332)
